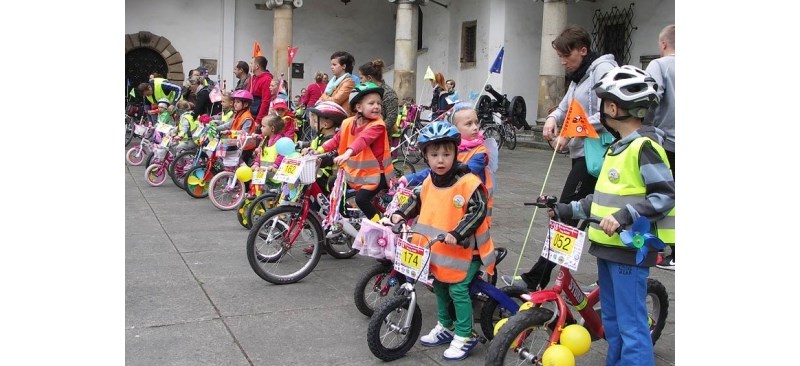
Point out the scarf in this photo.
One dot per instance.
(576, 76)
(470, 144)
(334, 82)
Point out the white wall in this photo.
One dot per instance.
(523, 33)
(437, 36)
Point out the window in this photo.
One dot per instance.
(468, 42)
(611, 33)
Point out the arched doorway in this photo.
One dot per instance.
(146, 53)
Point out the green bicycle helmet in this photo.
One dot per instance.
(361, 90)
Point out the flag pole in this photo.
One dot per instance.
(482, 90)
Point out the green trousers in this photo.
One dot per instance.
(459, 294)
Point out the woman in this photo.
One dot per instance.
(584, 68)
(438, 89)
(373, 71)
(341, 84)
(314, 91)
(448, 97)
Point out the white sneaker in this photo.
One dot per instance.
(460, 347)
(438, 335)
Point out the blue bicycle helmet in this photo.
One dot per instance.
(438, 131)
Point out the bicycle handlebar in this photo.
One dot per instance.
(551, 201)
(398, 229)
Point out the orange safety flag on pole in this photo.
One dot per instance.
(576, 123)
(290, 55)
(256, 49)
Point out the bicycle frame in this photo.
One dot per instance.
(310, 191)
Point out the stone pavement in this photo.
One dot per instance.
(192, 299)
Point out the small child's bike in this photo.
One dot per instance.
(225, 190)
(157, 172)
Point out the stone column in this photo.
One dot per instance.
(551, 73)
(281, 40)
(405, 51)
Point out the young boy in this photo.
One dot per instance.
(165, 112)
(325, 117)
(635, 180)
(450, 200)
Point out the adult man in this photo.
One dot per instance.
(663, 115)
(259, 88)
(242, 73)
(158, 88)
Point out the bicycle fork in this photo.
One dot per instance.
(410, 292)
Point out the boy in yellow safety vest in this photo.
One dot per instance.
(454, 202)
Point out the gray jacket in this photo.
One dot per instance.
(585, 95)
(663, 115)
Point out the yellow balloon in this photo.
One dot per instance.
(558, 355)
(244, 173)
(576, 338)
(499, 325)
(525, 306)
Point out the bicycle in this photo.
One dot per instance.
(136, 155)
(261, 201)
(293, 224)
(526, 335)
(225, 190)
(187, 159)
(395, 324)
(195, 183)
(410, 128)
(134, 116)
(156, 173)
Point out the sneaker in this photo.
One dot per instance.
(310, 249)
(439, 335)
(516, 281)
(667, 263)
(460, 347)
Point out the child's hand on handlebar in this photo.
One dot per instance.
(450, 239)
(609, 224)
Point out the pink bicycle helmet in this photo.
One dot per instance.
(331, 110)
(242, 94)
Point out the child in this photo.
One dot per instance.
(402, 112)
(363, 148)
(324, 118)
(282, 110)
(165, 112)
(227, 109)
(480, 157)
(187, 127)
(451, 200)
(267, 157)
(635, 181)
(242, 120)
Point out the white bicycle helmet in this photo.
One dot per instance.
(629, 87)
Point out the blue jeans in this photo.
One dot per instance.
(623, 292)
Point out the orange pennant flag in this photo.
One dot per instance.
(256, 49)
(576, 123)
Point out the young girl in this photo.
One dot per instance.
(479, 155)
(282, 110)
(227, 109)
(164, 112)
(324, 118)
(363, 148)
(242, 120)
(451, 201)
(188, 126)
(267, 157)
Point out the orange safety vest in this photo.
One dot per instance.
(444, 209)
(238, 121)
(363, 170)
(464, 157)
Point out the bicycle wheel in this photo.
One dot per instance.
(195, 183)
(492, 131)
(402, 167)
(129, 121)
(657, 307)
(135, 155)
(260, 206)
(492, 312)
(273, 258)
(522, 340)
(375, 286)
(180, 166)
(510, 136)
(386, 337)
(155, 175)
(225, 191)
(410, 150)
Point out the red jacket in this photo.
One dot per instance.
(259, 87)
(313, 92)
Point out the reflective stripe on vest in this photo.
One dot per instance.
(464, 157)
(158, 92)
(239, 121)
(609, 197)
(362, 170)
(440, 213)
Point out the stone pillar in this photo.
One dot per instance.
(551, 73)
(281, 40)
(405, 51)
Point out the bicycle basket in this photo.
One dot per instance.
(375, 240)
(160, 152)
(139, 129)
(309, 173)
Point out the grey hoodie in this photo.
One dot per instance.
(585, 95)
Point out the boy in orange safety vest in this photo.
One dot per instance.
(454, 202)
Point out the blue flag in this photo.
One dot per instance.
(498, 62)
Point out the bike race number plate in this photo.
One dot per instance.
(289, 171)
(409, 260)
(563, 245)
(212, 145)
(260, 176)
(163, 128)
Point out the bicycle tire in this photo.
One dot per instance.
(129, 122)
(222, 199)
(521, 327)
(282, 216)
(410, 150)
(241, 212)
(492, 131)
(155, 175)
(511, 138)
(196, 188)
(135, 156)
(657, 306)
(180, 166)
(260, 206)
(393, 312)
(367, 293)
(491, 312)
